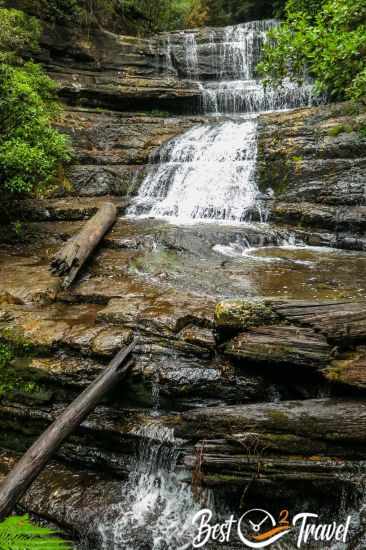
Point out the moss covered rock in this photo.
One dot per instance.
(242, 314)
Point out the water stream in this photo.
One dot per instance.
(208, 173)
(160, 506)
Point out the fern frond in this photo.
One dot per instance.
(18, 533)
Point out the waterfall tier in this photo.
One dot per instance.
(224, 63)
(208, 173)
(156, 509)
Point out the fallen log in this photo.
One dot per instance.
(70, 259)
(35, 459)
(281, 345)
(278, 450)
(328, 425)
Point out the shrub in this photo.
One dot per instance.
(328, 43)
(30, 149)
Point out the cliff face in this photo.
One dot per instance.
(315, 161)
(123, 95)
(240, 382)
(101, 69)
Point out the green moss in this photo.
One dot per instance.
(274, 174)
(14, 380)
(337, 371)
(278, 416)
(242, 314)
(335, 131)
(157, 113)
(222, 478)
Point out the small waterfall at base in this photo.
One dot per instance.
(208, 173)
(156, 508)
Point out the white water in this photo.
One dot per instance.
(236, 87)
(208, 173)
(156, 508)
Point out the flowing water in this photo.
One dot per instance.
(208, 173)
(159, 506)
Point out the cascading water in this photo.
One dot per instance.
(156, 508)
(215, 180)
(208, 173)
(235, 86)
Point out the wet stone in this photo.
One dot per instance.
(199, 336)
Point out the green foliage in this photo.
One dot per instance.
(326, 41)
(18, 32)
(18, 533)
(362, 132)
(164, 15)
(11, 379)
(31, 151)
(131, 16)
(6, 356)
(147, 16)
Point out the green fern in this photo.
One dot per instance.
(18, 533)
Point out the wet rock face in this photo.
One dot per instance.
(112, 150)
(316, 157)
(102, 69)
(76, 500)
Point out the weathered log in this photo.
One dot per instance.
(273, 345)
(35, 459)
(340, 423)
(297, 333)
(278, 450)
(69, 260)
(343, 321)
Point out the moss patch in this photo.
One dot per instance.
(242, 314)
(335, 131)
(15, 380)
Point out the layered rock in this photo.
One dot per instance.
(112, 150)
(101, 69)
(314, 160)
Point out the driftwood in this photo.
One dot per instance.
(69, 260)
(35, 459)
(307, 445)
(288, 345)
(343, 321)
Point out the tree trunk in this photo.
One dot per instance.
(35, 459)
(70, 259)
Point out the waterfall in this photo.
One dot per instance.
(232, 55)
(191, 56)
(208, 173)
(156, 508)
